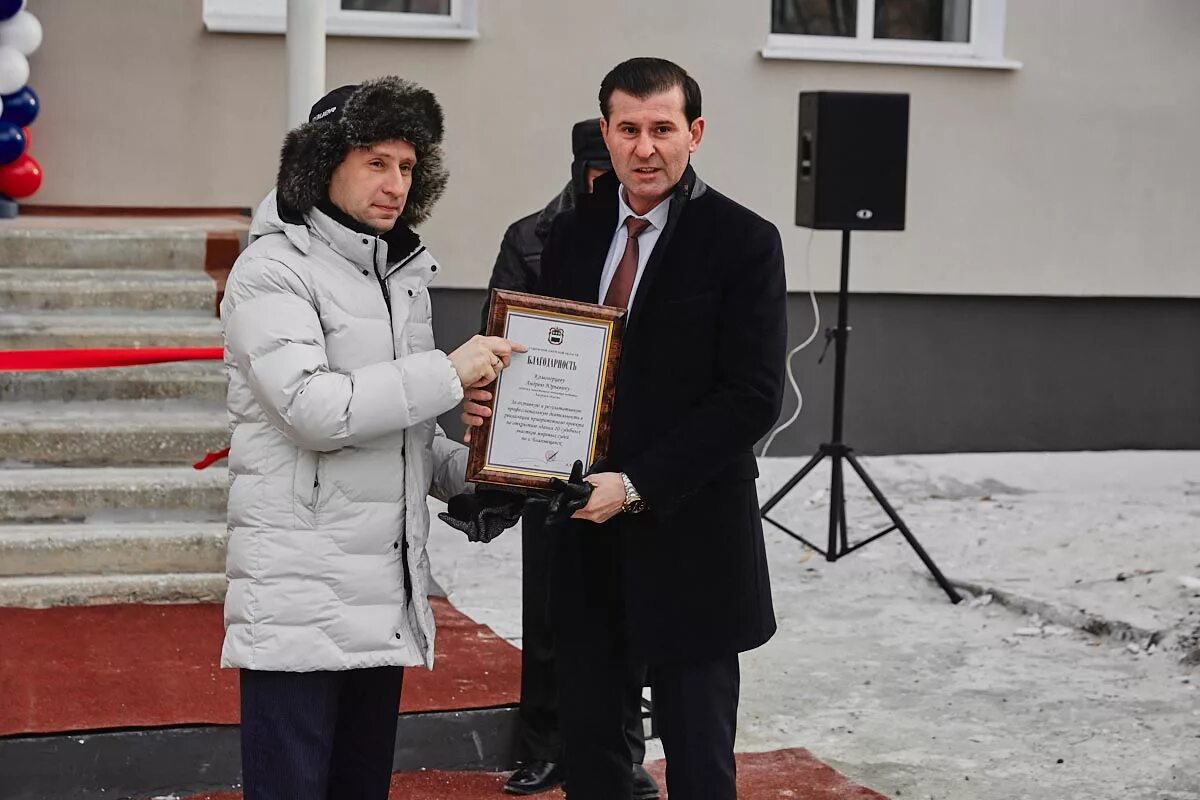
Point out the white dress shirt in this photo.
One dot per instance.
(657, 217)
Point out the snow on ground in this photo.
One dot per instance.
(878, 674)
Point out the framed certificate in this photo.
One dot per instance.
(551, 405)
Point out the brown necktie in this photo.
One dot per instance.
(622, 280)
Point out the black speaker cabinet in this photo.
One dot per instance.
(852, 164)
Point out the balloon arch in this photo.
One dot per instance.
(20, 36)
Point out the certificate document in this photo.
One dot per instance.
(551, 405)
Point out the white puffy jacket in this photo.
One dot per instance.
(332, 401)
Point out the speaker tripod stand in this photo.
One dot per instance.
(839, 454)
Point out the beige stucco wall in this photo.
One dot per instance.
(1074, 175)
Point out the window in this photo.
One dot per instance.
(960, 33)
(400, 6)
(439, 19)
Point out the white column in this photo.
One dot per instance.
(305, 58)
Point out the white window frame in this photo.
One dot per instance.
(985, 47)
(270, 16)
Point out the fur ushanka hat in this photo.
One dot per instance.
(358, 116)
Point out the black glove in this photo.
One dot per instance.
(569, 497)
(484, 514)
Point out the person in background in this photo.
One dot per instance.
(518, 268)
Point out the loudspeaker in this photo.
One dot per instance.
(852, 161)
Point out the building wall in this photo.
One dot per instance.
(1045, 293)
(1071, 176)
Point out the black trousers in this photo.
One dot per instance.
(539, 733)
(695, 703)
(319, 735)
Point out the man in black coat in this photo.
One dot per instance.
(666, 564)
(539, 742)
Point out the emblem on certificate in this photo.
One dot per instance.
(551, 405)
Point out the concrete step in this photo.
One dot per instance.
(67, 329)
(113, 432)
(91, 590)
(112, 494)
(148, 549)
(199, 381)
(40, 289)
(162, 248)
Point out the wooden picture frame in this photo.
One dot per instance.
(553, 404)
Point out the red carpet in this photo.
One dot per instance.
(77, 669)
(790, 774)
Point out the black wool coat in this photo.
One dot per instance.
(699, 383)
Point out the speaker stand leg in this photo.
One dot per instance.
(821, 453)
(904, 531)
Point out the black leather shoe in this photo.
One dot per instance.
(644, 787)
(539, 776)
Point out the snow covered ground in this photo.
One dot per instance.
(1004, 696)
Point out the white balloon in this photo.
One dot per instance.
(14, 70)
(22, 32)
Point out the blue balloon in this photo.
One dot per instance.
(20, 107)
(9, 8)
(12, 142)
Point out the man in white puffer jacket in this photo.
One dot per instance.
(334, 389)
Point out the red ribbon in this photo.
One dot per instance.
(33, 360)
(211, 458)
(96, 358)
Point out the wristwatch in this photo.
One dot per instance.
(634, 504)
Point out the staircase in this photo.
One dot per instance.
(98, 499)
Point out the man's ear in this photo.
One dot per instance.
(696, 129)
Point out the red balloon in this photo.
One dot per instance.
(21, 178)
(25, 131)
